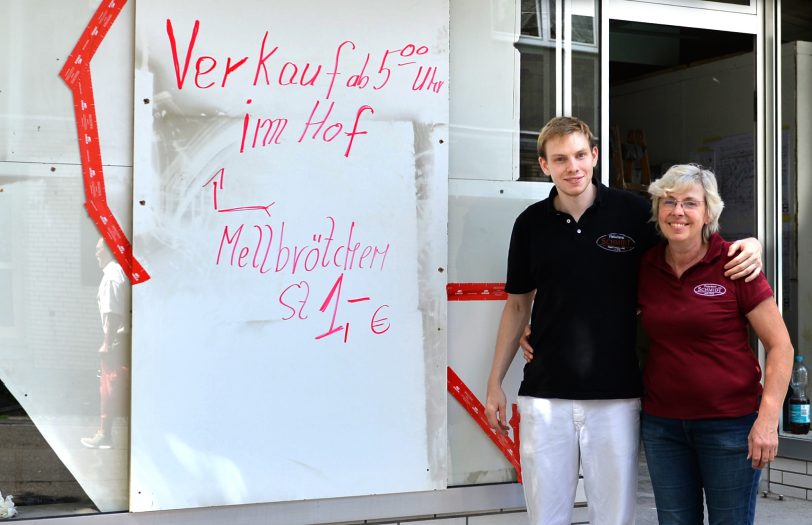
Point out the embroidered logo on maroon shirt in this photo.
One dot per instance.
(616, 242)
(710, 290)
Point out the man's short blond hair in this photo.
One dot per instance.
(560, 127)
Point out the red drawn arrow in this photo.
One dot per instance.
(217, 182)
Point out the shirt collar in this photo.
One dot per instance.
(716, 249)
(110, 266)
(600, 196)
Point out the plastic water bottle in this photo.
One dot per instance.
(798, 402)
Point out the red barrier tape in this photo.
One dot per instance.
(76, 74)
(509, 447)
(476, 292)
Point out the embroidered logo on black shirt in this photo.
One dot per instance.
(616, 242)
(709, 289)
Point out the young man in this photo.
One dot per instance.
(572, 271)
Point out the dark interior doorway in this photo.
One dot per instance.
(679, 95)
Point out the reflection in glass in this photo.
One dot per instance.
(48, 340)
(49, 319)
(550, 19)
(113, 299)
(538, 19)
(583, 29)
(537, 95)
(50, 336)
(586, 89)
(530, 18)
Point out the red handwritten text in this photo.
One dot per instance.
(254, 247)
(334, 129)
(294, 299)
(343, 69)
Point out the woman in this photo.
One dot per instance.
(707, 424)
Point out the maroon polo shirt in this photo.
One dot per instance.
(700, 364)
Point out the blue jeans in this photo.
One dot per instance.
(687, 456)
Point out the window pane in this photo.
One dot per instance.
(538, 85)
(530, 18)
(553, 28)
(586, 77)
(537, 98)
(50, 327)
(583, 29)
(586, 80)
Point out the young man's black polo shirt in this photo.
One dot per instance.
(585, 275)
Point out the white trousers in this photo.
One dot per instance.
(603, 435)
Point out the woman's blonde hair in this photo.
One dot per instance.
(680, 178)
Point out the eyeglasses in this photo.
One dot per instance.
(687, 205)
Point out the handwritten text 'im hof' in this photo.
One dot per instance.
(270, 69)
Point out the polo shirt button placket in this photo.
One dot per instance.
(577, 230)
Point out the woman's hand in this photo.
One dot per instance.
(762, 443)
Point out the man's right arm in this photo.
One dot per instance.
(515, 317)
(111, 324)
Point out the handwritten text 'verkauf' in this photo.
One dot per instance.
(267, 68)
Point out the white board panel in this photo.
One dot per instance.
(485, 119)
(286, 211)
